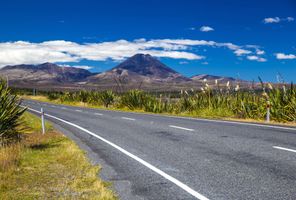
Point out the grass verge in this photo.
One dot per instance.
(49, 166)
(206, 113)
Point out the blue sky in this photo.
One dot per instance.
(244, 39)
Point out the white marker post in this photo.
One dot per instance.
(268, 112)
(42, 121)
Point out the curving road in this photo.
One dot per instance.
(150, 156)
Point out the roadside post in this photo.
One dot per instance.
(268, 112)
(42, 121)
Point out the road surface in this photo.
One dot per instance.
(150, 156)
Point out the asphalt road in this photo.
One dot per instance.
(158, 157)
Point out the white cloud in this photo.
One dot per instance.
(22, 52)
(206, 29)
(282, 56)
(260, 52)
(240, 52)
(83, 67)
(271, 20)
(256, 58)
(78, 66)
(290, 19)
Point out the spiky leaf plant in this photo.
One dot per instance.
(10, 113)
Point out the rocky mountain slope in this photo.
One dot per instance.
(141, 71)
(46, 73)
(140, 68)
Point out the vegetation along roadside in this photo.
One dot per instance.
(36, 166)
(210, 101)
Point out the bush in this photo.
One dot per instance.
(133, 99)
(214, 100)
(107, 97)
(10, 113)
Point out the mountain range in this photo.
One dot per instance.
(139, 71)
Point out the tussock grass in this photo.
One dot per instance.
(49, 166)
(210, 101)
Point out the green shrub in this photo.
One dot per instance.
(107, 97)
(133, 99)
(209, 100)
(10, 113)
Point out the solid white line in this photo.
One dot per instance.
(179, 127)
(100, 114)
(286, 149)
(127, 118)
(143, 162)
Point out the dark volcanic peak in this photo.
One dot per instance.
(146, 65)
(143, 67)
(140, 68)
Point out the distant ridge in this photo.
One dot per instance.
(44, 74)
(141, 71)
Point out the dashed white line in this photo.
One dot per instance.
(64, 108)
(183, 128)
(285, 149)
(210, 120)
(78, 110)
(127, 118)
(134, 157)
(100, 114)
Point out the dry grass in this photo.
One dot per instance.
(10, 156)
(39, 98)
(48, 166)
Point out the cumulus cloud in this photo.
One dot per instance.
(270, 20)
(256, 58)
(282, 56)
(83, 67)
(78, 66)
(240, 52)
(290, 19)
(22, 52)
(260, 52)
(206, 29)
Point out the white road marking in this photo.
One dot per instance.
(78, 110)
(136, 158)
(64, 108)
(286, 149)
(127, 118)
(209, 120)
(100, 114)
(53, 106)
(179, 127)
(233, 122)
